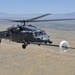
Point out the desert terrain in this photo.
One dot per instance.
(38, 60)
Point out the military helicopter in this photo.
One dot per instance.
(29, 34)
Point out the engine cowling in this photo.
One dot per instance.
(14, 29)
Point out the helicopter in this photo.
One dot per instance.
(29, 34)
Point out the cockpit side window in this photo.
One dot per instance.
(36, 34)
(28, 33)
(43, 32)
(39, 33)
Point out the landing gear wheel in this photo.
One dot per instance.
(38, 44)
(50, 42)
(23, 46)
(45, 42)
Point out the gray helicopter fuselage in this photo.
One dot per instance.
(21, 34)
(28, 34)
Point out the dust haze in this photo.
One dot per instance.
(38, 60)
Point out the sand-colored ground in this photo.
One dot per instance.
(38, 60)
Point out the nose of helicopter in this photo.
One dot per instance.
(44, 38)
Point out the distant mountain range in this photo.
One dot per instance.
(26, 16)
(18, 16)
(53, 25)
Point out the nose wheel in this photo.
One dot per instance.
(50, 42)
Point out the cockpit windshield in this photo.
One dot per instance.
(39, 33)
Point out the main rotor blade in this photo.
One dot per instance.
(52, 20)
(12, 20)
(27, 20)
(38, 17)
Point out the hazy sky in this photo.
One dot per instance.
(37, 6)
